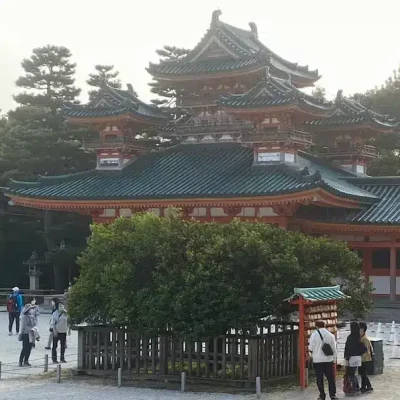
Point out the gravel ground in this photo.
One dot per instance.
(386, 388)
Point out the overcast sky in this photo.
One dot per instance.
(355, 44)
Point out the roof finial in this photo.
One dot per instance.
(130, 87)
(215, 17)
(265, 73)
(339, 96)
(254, 29)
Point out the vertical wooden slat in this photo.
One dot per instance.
(137, 353)
(233, 355)
(242, 350)
(181, 356)
(129, 351)
(113, 350)
(215, 358)
(99, 335)
(198, 358)
(173, 354)
(207, 358)
(286, 354)
(106, 341)
(154, 350)
(121, 348)
(145, 354)
(224, 357)
(261, 358)
(90, 350)
(189, 349)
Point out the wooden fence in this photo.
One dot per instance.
(272, 353)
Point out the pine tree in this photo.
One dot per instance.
(104, 75)
(49, 78)
(319, 93)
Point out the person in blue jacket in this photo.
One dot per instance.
(14, 308)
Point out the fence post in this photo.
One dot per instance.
(163, 355)
(183, 382)
(119, 377)
(58, 373)
(81, 349)
(46, 363)
(0, 370)
(258, 387)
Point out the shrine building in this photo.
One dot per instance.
(252, 145)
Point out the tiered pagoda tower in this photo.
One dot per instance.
(119, 117)
(253, 145)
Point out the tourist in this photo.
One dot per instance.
(366, 360)
(35, 311)
(54, 307)
(27, 325)
(323, 358)
(59, 327)
(353, 351)
(14, 307)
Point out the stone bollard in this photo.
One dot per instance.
(392, 332)
(183, 382)
(46, 363)
(119, 377)
(258, 387)
(379, 331)
(58, 373)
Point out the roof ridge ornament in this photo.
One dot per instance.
(253, 28)
(339, 96)
(215, 18)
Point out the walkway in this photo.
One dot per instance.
(386, 387)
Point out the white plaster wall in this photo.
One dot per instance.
(381, 284)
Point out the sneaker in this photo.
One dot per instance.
(55, 362)
(9, 333)
(334, 398)
(321, 397)
(26, 364)
(21, 365)
(370, 389)
(47, 348)
(63, 361)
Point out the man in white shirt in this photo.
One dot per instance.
(323, 363)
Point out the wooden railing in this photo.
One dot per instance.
(270, 354)
(113, 143)
(355, 149)
(217, 127)
(275, 134)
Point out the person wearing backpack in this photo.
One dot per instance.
(323, 348)
(14, 308)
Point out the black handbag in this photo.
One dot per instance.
(326, 348)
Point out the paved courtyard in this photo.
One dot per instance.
(10, 349)
(386, 388)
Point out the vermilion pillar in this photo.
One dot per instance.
(393, 264)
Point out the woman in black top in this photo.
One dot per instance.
(353, 351)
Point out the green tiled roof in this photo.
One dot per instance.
(319, 293)
(351, 112)
(387, 210)
(205, 66)
(246, 50)
(111, 102)
(194, 171)
(272, 91)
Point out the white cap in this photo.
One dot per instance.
(15, 289)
